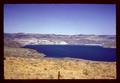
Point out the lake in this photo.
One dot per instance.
(95, 53)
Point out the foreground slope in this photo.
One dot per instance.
(48, 68)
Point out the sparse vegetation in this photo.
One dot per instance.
(85, 72)
(46, 68)
(22, 63)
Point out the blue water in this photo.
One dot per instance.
(95, 53)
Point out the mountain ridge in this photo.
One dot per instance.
(31, 38)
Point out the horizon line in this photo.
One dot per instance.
(52, 33)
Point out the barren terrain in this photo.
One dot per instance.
(48, 68)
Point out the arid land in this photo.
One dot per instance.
(24, 63)
(29, 67)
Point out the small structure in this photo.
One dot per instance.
(58, 74)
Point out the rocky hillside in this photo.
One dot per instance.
(8, 42)
(22, 52)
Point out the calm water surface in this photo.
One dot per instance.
(95, 53)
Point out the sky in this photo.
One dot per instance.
(67, 19)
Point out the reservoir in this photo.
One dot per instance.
(87, 52)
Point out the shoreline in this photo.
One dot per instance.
(72, 57)
(72, 45)
(30, 67)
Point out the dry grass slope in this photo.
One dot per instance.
(47, 68)
(22, 52)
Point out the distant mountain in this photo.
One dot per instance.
(30, 35)
(30, 38)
